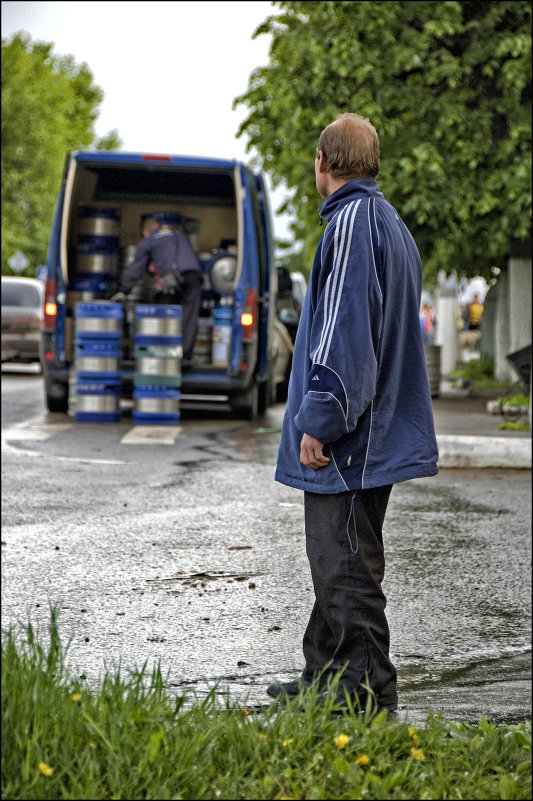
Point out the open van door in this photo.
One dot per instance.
(52, 346)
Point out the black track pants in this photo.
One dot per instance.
(189, 298)
(348, 629)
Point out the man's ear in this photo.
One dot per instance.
(322, 162)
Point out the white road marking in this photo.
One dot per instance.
(151, 435)
(35, 431)
(7, 448)
(40, 431)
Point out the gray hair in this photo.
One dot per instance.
(350, 146)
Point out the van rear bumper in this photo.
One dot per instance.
(200, 383)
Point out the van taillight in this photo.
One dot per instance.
(249, 316)
(50, 305)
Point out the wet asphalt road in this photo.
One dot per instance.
(190, 555)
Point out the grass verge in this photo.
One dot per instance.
(130, 740)
(478, 374)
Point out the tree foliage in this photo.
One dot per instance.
(49, 107)
(448, 87)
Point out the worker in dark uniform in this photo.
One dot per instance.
(168, 255)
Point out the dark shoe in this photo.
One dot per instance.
(359, 704)
(290, 689)
(388, 704)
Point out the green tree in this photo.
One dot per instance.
(49, 107)
(448, 87)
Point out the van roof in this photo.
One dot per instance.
(124, 157)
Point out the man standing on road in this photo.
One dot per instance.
(359, 415)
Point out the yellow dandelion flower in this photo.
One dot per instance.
(417, 753)
(45, 769)
(363, 760)
(413, 735)
(288, 742)
(342, 740)
(76, 698)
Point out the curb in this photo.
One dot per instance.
(499, 452)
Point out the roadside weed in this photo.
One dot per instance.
(130, 739)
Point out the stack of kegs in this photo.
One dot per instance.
(95, 275)
(98, 249)
(81, 290)
(158, 352)
(98, 349)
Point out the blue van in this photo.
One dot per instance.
(222, 206)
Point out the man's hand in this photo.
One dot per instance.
(311, 453)
(119, 297)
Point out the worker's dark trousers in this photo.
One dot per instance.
(348, 629)
(191, 291)
(189, 298)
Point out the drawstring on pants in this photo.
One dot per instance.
(352, 512)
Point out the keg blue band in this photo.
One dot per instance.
(163, 393)
(157, 310)
(97, 417)
(104, 349)
(109, 386)
(97, 245)
(89, 282)
(94, 211)
(149, 339)
(100, 309)
(156, 419)
(97, 375)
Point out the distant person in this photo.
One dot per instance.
(427, 324)
(358, 418)
(177, 276)
(465, 316)
(475, 314)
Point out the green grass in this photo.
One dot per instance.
(514, 425)
(515, 400)
(478, 373)
(129, 739)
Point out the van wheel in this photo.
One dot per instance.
(264, 396)
(57, 398)
(282, 391)
(245, 405)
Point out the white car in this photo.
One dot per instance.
(22, 318)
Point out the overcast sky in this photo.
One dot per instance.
(169, 70)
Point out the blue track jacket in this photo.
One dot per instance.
(359, 381)
(164, 248)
